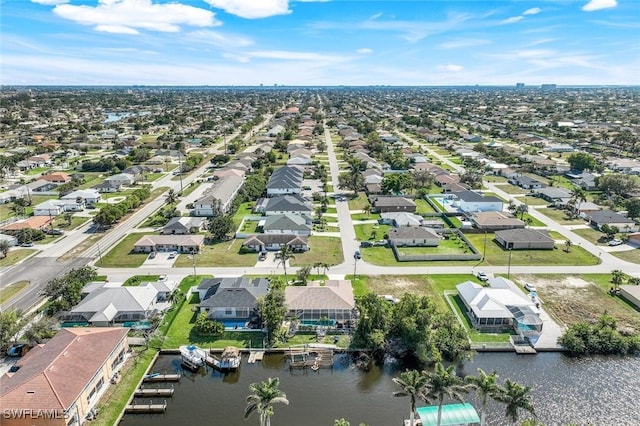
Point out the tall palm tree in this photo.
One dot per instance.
(367, 209)
(516, 397)
(413, 384)
(283, 256)
(578, 196)
(443, 382)
(171, 196)
(263, 396)
(485, 386)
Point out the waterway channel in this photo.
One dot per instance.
(590, 391)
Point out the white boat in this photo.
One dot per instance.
(229, 360)
(193, 356)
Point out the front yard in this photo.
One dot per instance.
(221, 254)
(326, 250)
(371, 231)
(560, 216)
(15, 256)
(122, 255)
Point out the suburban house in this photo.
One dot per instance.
(49, 208)
(393, 204)
(585, 207)
(285, 180)
(524, 239)
(631, 293)
(163, 243)
(287, 204)
(299, 159)
(86, 196)
(57, 178)
(107, 187)
(34, 222)
(122, 179)
(264, 242)
(217, 200)
(412, 236)
(107, 305)
(494, 221)
(231, 299)
(286, 224)
(557, 196)
(471, 201)
(611, 218)
(183, 225)
(526, 182)
(501, 306)
(314, 303)
(584, 180)
(399, 219)
(66, 376)
(41, 187)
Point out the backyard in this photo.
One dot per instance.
(371, 231)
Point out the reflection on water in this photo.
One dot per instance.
(594, 391)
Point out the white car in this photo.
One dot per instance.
(529, 287)
(482, 276)
(616, 242)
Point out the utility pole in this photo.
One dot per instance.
(180, 169)
(99, 252)
(509, 267)
(484, 250)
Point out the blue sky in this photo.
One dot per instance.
(296, 42)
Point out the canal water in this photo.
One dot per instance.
(591, 391)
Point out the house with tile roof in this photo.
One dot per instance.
(66, 376)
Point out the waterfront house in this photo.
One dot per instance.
(315, 303)
(524, 239)
(66, 377)
(231, 299)
(501, 306)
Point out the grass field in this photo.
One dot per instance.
(221, 254)
(359, 202)
(423, 206)
(323, 250)
(445, 247)
(371, 231)
(122, 256)
(11, 290)
(15, 256)
(511, 189)
(243, 210)
(560, 216)
(632, 256)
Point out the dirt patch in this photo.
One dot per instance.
(573, 299)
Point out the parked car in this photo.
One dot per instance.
(357, 255)
(162, 278)
(56, 231)
(152, 255)
(366, 244)
(27, 244)
(616, 242)
(262, 255)
(389, 298)
(306, 188)
(482, 276)
(173, 255)
(529, 287)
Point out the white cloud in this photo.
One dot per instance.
(127, 16)
(252, 9)
(599, 4)
(364, 51)
(532, 11)
(288, 55)
(462, 43)
(50, 2)
(512, 20)
(451, 68)
(216, 38)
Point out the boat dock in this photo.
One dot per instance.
(149, 408)
(150, 378)
(255, 356)
(524, 350)
(149, 392)
(313, 358)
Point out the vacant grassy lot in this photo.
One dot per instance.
(15, 256)
(76, 222)
(222, 254)
(632, 256)
(152, 176)
(11, 290)
(243, 210)
(384, 256)
(585, 297)
(560, 216)
(323, 250)
(365, 216)
(445, 247)
(495, 179)
(512, 189)
(423, 206)
(591, 235)
(371, 231)
(359, 202)
(532, 201)
(122, 255)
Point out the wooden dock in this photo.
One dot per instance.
(149, 408)
(255, 356)
(313, 359)
(524, 350)
(162, 378)
(146, 393)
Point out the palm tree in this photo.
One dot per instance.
(511, 207)
(578, 195)
(171, 196)
(443, 382)
(263, 396)
(617, 278)
(516, 397)
(567, 245)
(522, 209)
(485, 386)
(413, 384)
(283, 256)
(367, 209)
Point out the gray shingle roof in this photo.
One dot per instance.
(239, 292)
(474, 197)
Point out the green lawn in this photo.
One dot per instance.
(511, 189)
(591, 235)
(371, 231)
(14, 256)
(560, 216)
(122, 256)
(532, 220)
(331, 210)
(11, 290)
(76, 222)
(365, 216)
(495, 179)
(243, 210)
(37, 170)
(358, 203)
(150, 177)
(456, 246)
(632, 256)
(532, 201)
(221, 254)
(136, 280)
(326, 250)
(423, 206)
